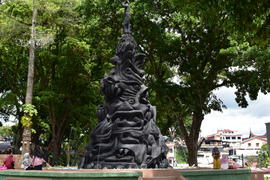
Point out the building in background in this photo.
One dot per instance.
(251, 146)
(233, 138)
(231, 143)
(228, 142)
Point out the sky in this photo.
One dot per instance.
(235, 118)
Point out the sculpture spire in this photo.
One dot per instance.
(126, 23)
(127, 135)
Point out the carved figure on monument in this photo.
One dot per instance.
(127, 135)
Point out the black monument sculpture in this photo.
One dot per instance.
(126, 135)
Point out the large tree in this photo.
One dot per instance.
(28, 108)
(205, 52)
(192, 49)
(66, 74)
(14, 35)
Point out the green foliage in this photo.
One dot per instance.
(6, 131)
(204, 45)
(8, 103)
(29, 111)
(181, 155)
(26, 121)
(66, 89)
(192, 48)
(263, 156)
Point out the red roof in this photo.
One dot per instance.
(256, 137)
(210, 136)
(225, 130)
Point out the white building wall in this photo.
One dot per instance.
(247, 152)
(234, 139)
(250, 147)
(253, 143)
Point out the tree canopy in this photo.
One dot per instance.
(192, 48)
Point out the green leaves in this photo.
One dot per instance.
(29, 112)
(29, 109)
(263, 155)
(7, 101)
(192, 48)
(6, 131)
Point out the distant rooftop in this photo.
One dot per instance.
(225, 131)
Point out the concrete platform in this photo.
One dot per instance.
(93, 174)
(217, 174)
(128, 174)
(68, 175)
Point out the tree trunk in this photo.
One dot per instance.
(18, 138)
(26, 136)
(192, 147)
(191, 136)
(58, 129)
(56, 146)
(57, 137)
(193, 139)
(18, 132)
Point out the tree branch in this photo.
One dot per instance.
(200, 142)
(196, 123)
(224, 83)
(14, 18)
(182, 126)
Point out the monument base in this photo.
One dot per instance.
(93, 174)
(131, 174)
(113, 165)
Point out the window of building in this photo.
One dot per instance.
(227, 137)
(232, 152)
(238, 137)
(234, 137)
(249, 144)
(257, 144)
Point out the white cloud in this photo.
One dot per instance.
(242, 120)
